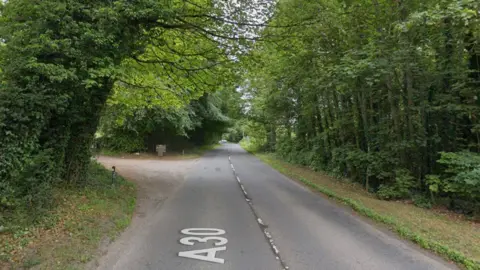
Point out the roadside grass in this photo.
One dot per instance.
(71, 234)
(191, 153)
(450, 235)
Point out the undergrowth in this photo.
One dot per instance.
(69, 235)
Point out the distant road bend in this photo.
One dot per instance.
(234, 212)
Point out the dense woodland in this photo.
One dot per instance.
(385, 93)
(381, 92)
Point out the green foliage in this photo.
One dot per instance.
(400, 189)
(58, 61)
(460, 179)
(122, 142)
(372, 91)
(462, 173)
(422, 201)
(61, 60)
(129, 130)
(235, 133)
(31, 192)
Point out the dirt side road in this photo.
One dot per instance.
(156, 181)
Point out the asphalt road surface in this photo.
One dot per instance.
(234, 212)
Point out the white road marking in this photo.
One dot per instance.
(244, 191)
(188, 240)
(260, 221)
(210, 254)
(203, 231)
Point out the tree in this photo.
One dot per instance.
(372, 90)
(129, 129)
(61, 61)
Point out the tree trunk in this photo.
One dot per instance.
(409, 103)
(55, 139)
(363, 109)
(78, 153)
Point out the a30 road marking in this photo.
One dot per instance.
(188, 240)
(210, 235)
(203, 231)
(210, 257)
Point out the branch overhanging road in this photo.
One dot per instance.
(235, 212)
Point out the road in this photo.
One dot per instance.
(257, 219)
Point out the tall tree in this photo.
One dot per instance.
(62, 59)
(373, 90)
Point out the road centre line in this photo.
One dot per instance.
(262, 225)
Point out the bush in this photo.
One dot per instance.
(252, 145)
(126, 142)
(421, 201)
(284, 147)
(29, 196)
(234, 134)
(400, 189)
(460, 181)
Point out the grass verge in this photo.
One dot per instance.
(70, 235)
(451, 236)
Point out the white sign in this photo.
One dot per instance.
(208, 254)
